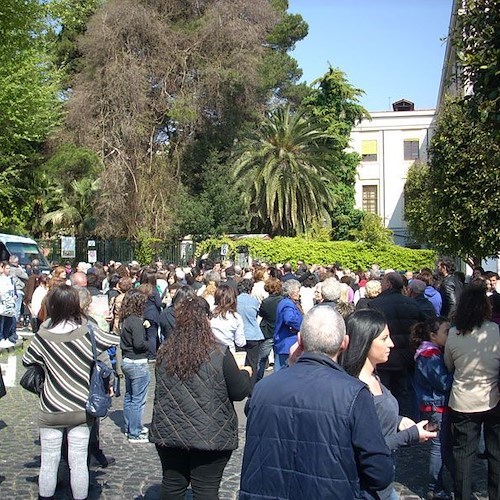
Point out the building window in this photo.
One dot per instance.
(369, 150)
(411, 149)
(370, 199)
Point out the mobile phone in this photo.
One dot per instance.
(431, 426)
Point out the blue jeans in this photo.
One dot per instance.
(137, 378)
(265, 349)
(441, 452)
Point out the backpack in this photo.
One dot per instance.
(99, 401)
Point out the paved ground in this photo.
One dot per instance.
(137, 474)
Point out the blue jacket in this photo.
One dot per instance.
(248, 309)
(434, 297)
(432, 379)
(312, 433)
(288, 322)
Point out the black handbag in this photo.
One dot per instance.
(99, 401)
(33, 379)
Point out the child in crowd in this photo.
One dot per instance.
(432, 386)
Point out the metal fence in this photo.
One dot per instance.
(118, 250)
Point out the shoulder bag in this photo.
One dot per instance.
(99, 401)
(33, 379)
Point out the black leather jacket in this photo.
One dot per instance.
(450, 290)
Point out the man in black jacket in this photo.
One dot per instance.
(451, 287)
(416, 291)
(401, 313)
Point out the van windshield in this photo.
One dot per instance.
(26, 253)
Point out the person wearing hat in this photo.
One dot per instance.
(416, 290)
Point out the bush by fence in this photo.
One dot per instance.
(348, 254)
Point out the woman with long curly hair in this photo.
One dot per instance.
(134, 346)
(194, 425)
(472, 351)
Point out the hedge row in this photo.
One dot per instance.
(348, 254)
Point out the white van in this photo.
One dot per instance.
(25, 248)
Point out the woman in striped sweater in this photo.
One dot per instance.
(63, 348)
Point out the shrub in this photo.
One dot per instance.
(348, 254)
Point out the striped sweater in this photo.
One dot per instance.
(67, 359)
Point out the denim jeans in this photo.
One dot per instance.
(19, 303)
(280, 361)
(441, 452)
(51, 440)
(137, 378)
(265, 349)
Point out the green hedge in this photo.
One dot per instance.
(348, 254)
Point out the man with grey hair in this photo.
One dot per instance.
(330, 290)
(312, 430)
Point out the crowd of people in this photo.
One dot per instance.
(364, 362)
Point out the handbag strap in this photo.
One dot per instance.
(92, 339)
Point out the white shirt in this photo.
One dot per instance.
(229, 330)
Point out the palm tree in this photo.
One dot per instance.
(75, 213)
(283, 172)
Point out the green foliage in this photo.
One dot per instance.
(372, 231)
(29, 108)
(71, 163)
(459, 194)
(69, 20)
(214, 211)
(349, 254)
(147, 248)
(279, 71)
(417, 196)
(334, 103)
(75, 211)
(478, 50)
(282, 172)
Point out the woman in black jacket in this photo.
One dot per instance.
(194, 425)
(135, 367)
(267, 312)
(152, 310)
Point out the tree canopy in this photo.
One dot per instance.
(476, 39)
(283, 172)
(452, 205)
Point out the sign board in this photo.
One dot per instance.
(68, 247)
(224, 249)
(91, 243)
(92, 256)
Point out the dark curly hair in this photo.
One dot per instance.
(190, 342)
(133, 304)
(423, 330)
